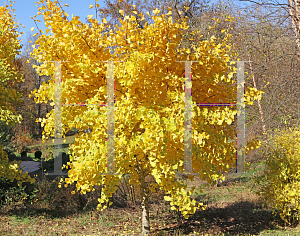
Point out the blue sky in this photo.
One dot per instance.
(25, 9)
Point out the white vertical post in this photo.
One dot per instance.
(240, 117)
(110, 119)
(188, 165)
(188, 120)
(57, 120)
(110, 122)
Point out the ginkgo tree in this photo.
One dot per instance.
(9, 48)
(149, 103)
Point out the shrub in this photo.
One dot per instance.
(11, 170)
(65, 158)
(38, 155)
(23, 156)
(279, 184)
(20, 141)
(12, 157)
(6, 133)
(47, 152)
(12, 194)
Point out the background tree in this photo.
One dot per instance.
(294, 12)
(265, 36)
(25, 133)
(9, 47)
(9, 74)
(8, 131)
(199, 15)
(32, 111)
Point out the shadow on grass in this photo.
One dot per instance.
(44, 212)
(235, 219)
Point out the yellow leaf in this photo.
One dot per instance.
(89, 16)
(223, 30)
(91, 6)
(66, 5)
(35, 34)
(156, 11)
(229, 121)
(167, 198)
(135, 12)
(121, 12)
(32, 29)
(104, 20)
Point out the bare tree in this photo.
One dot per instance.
(294, 12)
(31, 110)
(266, 35)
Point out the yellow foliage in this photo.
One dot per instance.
(9, 48)
(11, 170)
(279, 184)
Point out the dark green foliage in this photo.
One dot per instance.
(65, 158)
(38, 155)
(6, 133)
(49, 164)
(12, 194)
(23, 155)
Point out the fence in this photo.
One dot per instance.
(240, 136)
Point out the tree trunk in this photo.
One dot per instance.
(145, 203)
(39, 123)
(259, 107)
(294, 13)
